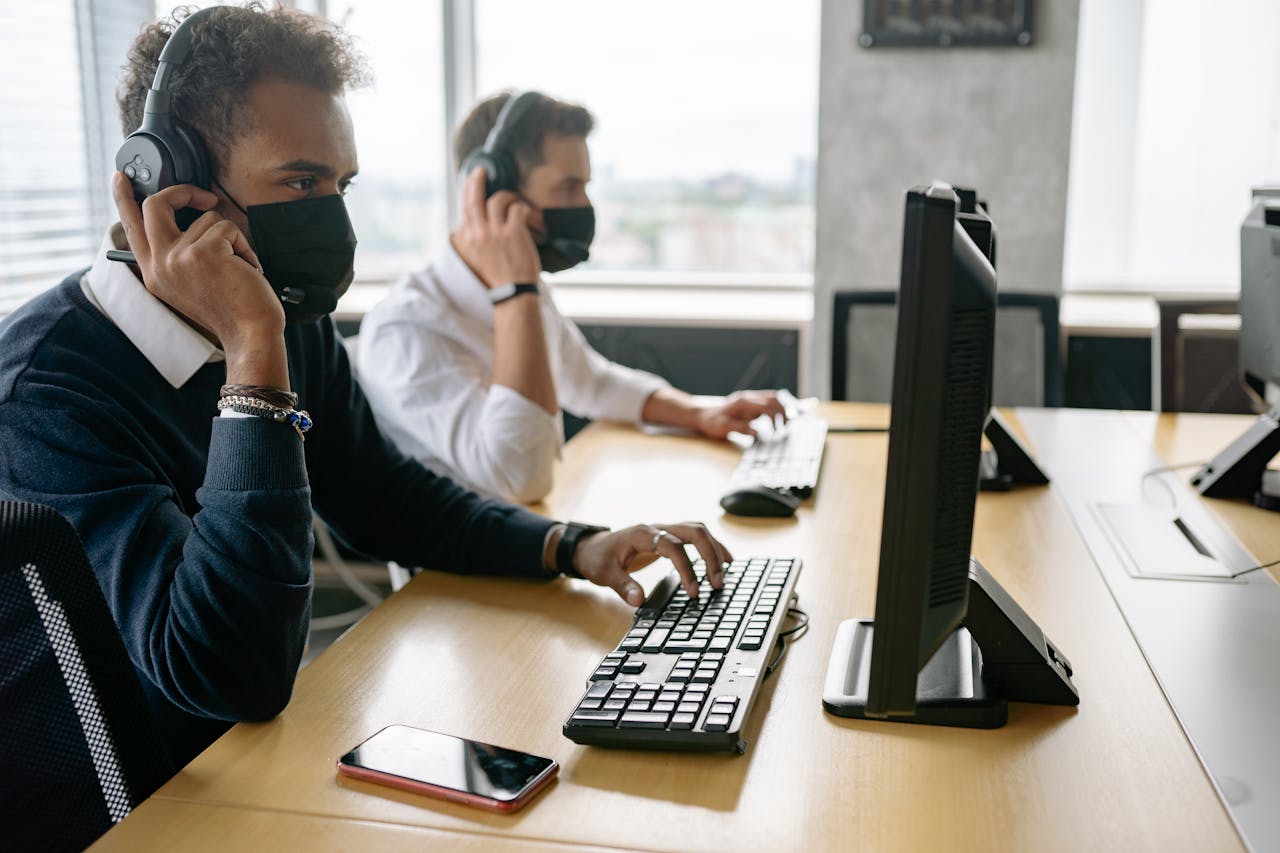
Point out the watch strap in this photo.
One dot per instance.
(573, 532)
(501, 294)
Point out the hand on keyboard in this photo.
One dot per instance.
(608, 559)
(736, 412)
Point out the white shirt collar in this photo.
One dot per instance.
(174, 349)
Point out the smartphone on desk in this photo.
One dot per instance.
(450, 768)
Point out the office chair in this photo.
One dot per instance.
(78, 748)
(863, 327)
(1196, 349)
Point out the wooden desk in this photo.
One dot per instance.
(505, 660)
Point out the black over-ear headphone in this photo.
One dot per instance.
(494, 157)
(161, 152)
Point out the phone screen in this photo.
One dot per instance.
(445, 761)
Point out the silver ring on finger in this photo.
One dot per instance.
(657, 537)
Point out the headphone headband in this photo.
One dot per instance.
(510, 114)
(174, 53)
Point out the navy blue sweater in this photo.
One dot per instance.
(199, 527)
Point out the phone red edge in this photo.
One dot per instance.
(452, 795)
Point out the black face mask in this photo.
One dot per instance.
(307, 249)
(567, 241)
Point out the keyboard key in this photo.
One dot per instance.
(688, 707)
(748, 645)
(631, 644)
(614, 705)
(721, 644)
(685, 646)
(644, 720)
(633, 667)
(679, 675)
(604, 673)
(594, 718)
(653, 643)
(664, 707)
(599, 690)
(590, 705)
(683, 720)
(714, 723)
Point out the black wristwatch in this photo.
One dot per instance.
(573, 531)
(504, 292)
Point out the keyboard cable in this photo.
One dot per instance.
(792, 633)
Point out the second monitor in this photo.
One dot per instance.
(948, 645)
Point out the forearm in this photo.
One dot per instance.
(238, 598)
(258, 358)
(520, 360)
(671, 407)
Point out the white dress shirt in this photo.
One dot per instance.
(425, 361)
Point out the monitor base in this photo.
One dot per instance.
(1008, 462)
(1240, 471)
(998, 655)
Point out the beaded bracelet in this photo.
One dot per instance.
(299, 419)
(275, 396)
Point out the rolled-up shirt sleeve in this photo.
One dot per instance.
(434, 400)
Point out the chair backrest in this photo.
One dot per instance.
(1028, 351)
(77, 744)
(1196, 350)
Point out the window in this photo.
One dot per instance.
(703, 156)
(45, 227)
(398, 203)
(1177, 116)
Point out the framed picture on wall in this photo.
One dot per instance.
(947, 23)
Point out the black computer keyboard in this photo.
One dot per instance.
(787, 460)
(685, 676)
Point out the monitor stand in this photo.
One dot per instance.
(998, 655)
(1240, 471)
(1008, 462)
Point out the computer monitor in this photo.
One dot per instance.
(1007, 461)
(948, 645)
(1241, 469)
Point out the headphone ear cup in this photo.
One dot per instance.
(147, 162)
(199, 169)
(162, 157)
(499, 170)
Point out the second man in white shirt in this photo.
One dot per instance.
(468, 373)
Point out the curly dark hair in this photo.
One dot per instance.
(546, 115)
(231, 49)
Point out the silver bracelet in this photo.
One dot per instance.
(299, 419)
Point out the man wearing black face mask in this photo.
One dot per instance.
(468, 363)
(158, 406)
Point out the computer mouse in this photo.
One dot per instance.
(760, 501)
